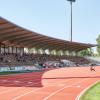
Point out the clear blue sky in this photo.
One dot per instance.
(52, 17)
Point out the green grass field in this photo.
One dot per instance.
(92, 93)
(17, 72)
(6, 73)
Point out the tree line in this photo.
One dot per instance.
(90, 52)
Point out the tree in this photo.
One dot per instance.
(98, 44)
(87, 52)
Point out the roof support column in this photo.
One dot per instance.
(12, 49)
(8, 48)
(4, 48)
(36, 51)
(53, 52)
(16, 50)
(70, 53)
(49, 50)
(22, 50)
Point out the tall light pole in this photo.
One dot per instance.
(71, 31)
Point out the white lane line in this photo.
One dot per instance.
(4, 80)
(33, 91)
(10, 90)
(16, 81)
(30, 82)
(54, 93)
(36, 90)
(78, 86)
(16, 98)
(84, 90)
(46, 98)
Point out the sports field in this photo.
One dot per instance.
(51, 84)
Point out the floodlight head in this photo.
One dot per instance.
(71, 0)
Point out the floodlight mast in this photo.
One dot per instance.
(71, 31)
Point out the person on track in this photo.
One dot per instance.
(92, 68)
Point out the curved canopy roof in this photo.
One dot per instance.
(14, 35)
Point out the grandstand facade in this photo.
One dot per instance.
(14, 40)
(16, 36)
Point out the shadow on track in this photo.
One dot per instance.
(33, 79)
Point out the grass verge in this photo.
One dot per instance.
(17, 72)
(93, 93)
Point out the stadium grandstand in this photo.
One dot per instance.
(15, 42)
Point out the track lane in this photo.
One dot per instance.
(57, 84)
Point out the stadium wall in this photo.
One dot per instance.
(18, 68)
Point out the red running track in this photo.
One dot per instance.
(56, 84)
